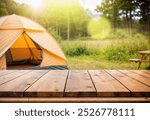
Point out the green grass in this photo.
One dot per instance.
(103, 54)
(89, 63)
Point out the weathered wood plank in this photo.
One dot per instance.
(142, 73)
(50, 85)
(147, 71)
(5, 72)
(77, 100)
(14, 100)
(8, 77)
(16, 87)
(137, 89)
(79, 84)
(134, 75)
(107, 86)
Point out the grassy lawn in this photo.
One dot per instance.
(88, 62)
(103, 54)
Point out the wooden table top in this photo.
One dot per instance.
(144, 52)
(74, 84)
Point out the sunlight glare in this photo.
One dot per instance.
(90, 4)
(35, 4)
(99, 29)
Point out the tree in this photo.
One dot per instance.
(67, 19)
(144, 14)
(110, 10)
(8, 7)
(118, 9)
(62, 17)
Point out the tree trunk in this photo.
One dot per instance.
(127, 23)
(130, 24)
(148, 19)
(68, 23)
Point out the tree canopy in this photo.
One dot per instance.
(128, 11)
(66, 19)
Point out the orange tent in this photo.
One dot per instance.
(21, 39)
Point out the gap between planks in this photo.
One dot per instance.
(142, 79)
(49, 85)
(107, 86)
(137, 88)
(16, 87)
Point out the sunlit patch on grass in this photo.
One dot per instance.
(99, 29)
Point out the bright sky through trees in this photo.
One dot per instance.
(35, 4)
(90, 4)
(86, 4)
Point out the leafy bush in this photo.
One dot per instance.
(116, 50)
(139, 36)
(77, 50)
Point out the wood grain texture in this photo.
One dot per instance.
(50, 85)
(11, 76)
(147, 71)
(138, 77)
(77, 100)
(107, 86)
(17, 86)
(75, 84)
(137, 89)
(142, 73)
(5, 72)
(79, 84)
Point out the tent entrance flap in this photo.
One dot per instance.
(24, 51)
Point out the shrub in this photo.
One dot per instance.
(77, 50)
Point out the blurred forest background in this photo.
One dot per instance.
(107, 42)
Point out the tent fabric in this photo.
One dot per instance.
(18, 22)
(11, 22)
(47, 42)
(3, 65)
(51, 60)
(2, 19)
(21, 35)
(24, 45)
(7, 38)
(29, 24)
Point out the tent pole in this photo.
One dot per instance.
(36, 45)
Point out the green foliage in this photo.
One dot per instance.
(118, 34)
(77, 50)
(113, 50)
(139, 36)
(64, 13)
(8, 7)
(124, 50)
(122, 34)
(3, 11)
(103, 54)
(124, 13)
(56, 16)
(54, 34)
